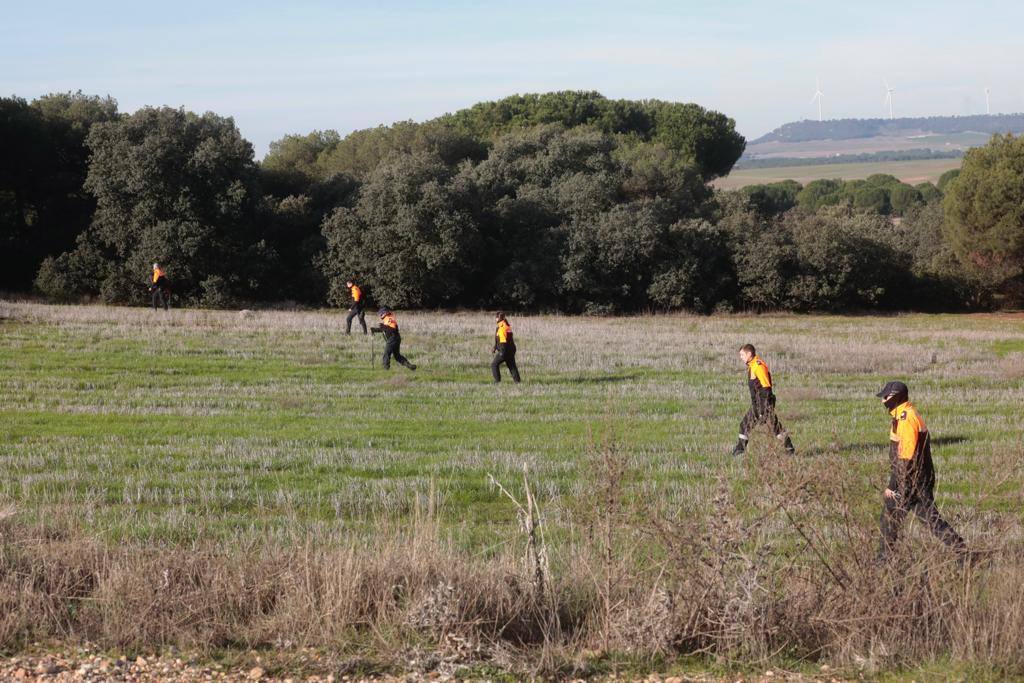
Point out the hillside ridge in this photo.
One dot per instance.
(849, 129)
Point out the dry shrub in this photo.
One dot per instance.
(139, 596)
(780, 566)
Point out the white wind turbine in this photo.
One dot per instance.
(988, 108)
(888, 97)
(817, 96)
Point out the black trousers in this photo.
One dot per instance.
(508, 357)
(393, 347)
(761, 411)
(357, 310)
(894, 512)
(159, 297)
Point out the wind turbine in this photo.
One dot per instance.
(817, 96)
(888, 97)
(988, 109)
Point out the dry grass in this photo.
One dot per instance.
(911, 172)
(792, 582)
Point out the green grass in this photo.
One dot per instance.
(195, 424)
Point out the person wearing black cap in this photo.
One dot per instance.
(912, 474)
(392, 340)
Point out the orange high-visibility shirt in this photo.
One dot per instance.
(906, 431)
(157, 274)
(503, 332)
(357, 294)
(389, 321)
(759, 371)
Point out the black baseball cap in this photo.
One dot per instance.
(891, 388)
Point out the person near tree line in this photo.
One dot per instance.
(762, 402)
(392, 339)
(159, 287)
(358, 307)
(504, 349)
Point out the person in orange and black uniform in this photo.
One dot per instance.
(762, 402)
(358, 307)
(504, 349)
(159, 287)
(912, 474)
(392, 340)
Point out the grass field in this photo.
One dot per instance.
(878, 143)
(912, 172)
(177, 430)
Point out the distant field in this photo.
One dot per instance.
(819, 148)
(912, 172)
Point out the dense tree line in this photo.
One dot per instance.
(44, 205)
(563, 201)
(879, 193)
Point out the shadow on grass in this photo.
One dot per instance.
(587, 379)
(602, 379)
(881, 444)
(861, 446)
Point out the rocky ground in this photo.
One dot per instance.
(85, 665)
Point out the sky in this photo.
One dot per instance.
(292, 67)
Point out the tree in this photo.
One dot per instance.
(610, 259)
(360, 152)
(948, 177)
(652, 170)
(291, 164)
(819, 193)
(706, 138)
(43, 158)
(847, 260)
(764, 257)
(929, 192)
(903, 197)
(531, 183)
(985, 210)
(882, 180)
(174, 187)
(408, 237)
(696, 271)
(568, 108)
(872, 199)
(942, 283)
(773, 199)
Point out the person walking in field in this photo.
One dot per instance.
(504, 349)
(762, 402)
(357, 309)
(912, 474)
(159, 288)
(392, 340)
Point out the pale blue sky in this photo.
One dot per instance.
(291, 67)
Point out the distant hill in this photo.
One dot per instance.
(852, 129)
